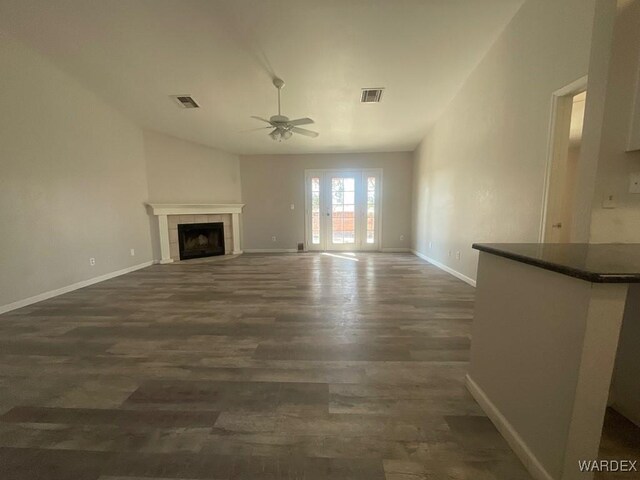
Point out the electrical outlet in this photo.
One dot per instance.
(634, 182)
(609, 201)
(449, 252)
(430, 245)
(273, 238)
(92, 262)
(293, 207)
(133, 252)
(458, 255)
(401, 238)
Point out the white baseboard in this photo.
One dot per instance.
(295, 250)
(70, 288)
(270, 250)
(442, 266)
(515, 441)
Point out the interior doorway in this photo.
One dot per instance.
(343, 209)
(562, 167)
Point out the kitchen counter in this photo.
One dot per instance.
(545, 335)
(597, 263)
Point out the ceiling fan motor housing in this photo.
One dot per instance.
(279, 119)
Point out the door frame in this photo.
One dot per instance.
(325, 200)
(561, 105)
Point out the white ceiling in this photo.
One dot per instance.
(135, 53)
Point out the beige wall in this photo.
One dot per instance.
(271, 183)
(542, 355)
(544, 379)
(72, 180)
(621, 224)
(626, 377)
(179, 171)
(479, 172)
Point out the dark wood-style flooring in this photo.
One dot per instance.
(297, 367)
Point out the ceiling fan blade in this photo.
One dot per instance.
(300, 121)
(254, 129)
(260, 118)
(305, 132)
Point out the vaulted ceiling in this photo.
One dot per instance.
(136, 53)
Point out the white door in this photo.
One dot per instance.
(343, 209)
(563, 167)
(342, 232)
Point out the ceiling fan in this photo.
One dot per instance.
(283, 128)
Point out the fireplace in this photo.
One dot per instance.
(201, 240)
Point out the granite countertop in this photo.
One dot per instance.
(595, 262)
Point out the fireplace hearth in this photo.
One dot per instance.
(198, 240)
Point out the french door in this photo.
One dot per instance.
(343, 209)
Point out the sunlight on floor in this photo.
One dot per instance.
(344, 256)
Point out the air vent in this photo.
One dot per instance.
(371, 95)
(185, 101)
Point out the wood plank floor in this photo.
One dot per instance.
(297, 367)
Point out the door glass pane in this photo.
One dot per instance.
(349, 223)
(371, 209)
(349, 184)
(343, 210)
(315, 210)
(349, 198)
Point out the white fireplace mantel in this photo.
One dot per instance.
(162, 210)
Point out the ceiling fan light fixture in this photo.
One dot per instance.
(283, 128)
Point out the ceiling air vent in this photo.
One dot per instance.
(185, 101)
(371, 95)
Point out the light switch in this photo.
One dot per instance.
(634, 182)
(609, 201)
(293, 206)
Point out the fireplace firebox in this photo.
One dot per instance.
(198, 240)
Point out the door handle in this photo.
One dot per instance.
(557, 225)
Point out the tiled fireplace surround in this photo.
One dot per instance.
(174, 220)
(171, 215)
